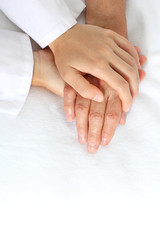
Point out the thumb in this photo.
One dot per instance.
(84, 87)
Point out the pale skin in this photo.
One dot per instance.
(96, 122)
(46, 75)
(102, 53)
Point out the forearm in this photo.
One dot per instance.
(110, 14)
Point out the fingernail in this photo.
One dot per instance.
(69, 115)
(69, 118)
(82, 138)
(69, 111)
(98, 98)
(104, 141)
(127, 110)
(91, 147)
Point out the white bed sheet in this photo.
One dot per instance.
(52, 188)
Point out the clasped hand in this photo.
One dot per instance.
(101, 53)
(99, 71)
(96, 122)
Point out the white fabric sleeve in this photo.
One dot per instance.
(16, 69)
(43, 20)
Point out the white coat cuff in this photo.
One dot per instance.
(56, 32)
(43, 20)
(16, 69)
(64, 22)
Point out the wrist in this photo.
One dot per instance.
(118, 24)
(36, 78)
(108, 17)
(57, 44)
(114, 22)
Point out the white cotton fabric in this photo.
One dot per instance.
(43, 20)
(16, 69)
(51, 188)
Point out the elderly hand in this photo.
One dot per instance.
(96, 122)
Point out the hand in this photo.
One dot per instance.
(45, 72)
(101, 53)
(96, 122)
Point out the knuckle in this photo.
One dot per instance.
(132, 71)
(108, 44)
(67, 105)
(80, 107)
(110, 33)
(114, 95)
(99, 62)
(105, 133)
(68, 90)
(133, 62)
(132, 49)
(95, 116)
(130, 45)
(112, 117)
(124, 86)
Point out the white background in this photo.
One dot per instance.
(52, 188)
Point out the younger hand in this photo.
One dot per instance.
(102, 53)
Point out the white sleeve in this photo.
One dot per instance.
(43, 20)
(16, 68)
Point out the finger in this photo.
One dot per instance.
(112, 118)
(69, 102)
(127, 72)
(142, 74)
(83, 87)
(118, 83)
(137, 49)
(142, 60)
(128, 59)
(128, 47)
(82, 107)
(96, 118)
(123, 118)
